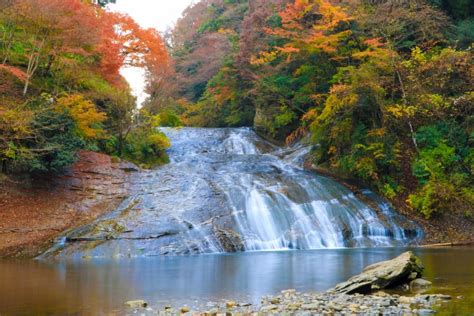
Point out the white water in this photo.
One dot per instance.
(231, 181)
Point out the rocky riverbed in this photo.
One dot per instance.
(384, 288)
(291, 302)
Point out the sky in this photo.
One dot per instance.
(158, 14)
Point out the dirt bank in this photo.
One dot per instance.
(34, 211)
(445, 228)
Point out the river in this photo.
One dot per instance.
(230, 217)
(101, 286)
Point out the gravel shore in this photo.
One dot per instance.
(291, 302)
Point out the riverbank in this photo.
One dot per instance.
(449, 228)
(290, 302)
(34, 211)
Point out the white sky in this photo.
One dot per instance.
(158, 14)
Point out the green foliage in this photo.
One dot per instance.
(465, 32)
(56, 142)
(170, 119)
(434, 163)
(223, 103)
(210, 26)
(443, 169)
(60, 86)
(385, 88)
(145, 144)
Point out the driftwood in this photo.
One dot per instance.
(450, 244)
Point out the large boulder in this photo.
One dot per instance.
(385, 274)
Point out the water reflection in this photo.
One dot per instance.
(101, 286)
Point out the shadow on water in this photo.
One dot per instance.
(101, 286)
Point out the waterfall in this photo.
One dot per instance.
(229, 190)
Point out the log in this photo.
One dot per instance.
(449, 244)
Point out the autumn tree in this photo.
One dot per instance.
(67, 55)
(405, 24)
(53, 29)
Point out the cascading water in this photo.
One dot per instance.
(229, 190)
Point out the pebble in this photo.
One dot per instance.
(313, 306)
(185, 310)
(136, 304)
(291, 302)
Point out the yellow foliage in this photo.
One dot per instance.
(84, 113)
(399, 111)
(341, 96)
(14, 121)
(159, 140)
(264, 57)
(14, 128)
(377, 132)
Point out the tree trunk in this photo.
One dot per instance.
(412, 131)
(33, 64)
(120, 145)
(4, 167)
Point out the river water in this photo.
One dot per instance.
(101, 286)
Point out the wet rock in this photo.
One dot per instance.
(293, 306)
(184, 310)
(245, 304)
(128, 167)
(136, 304)
(288, 293)
(312, 306)
(418, 284)
(211, 304)
(229, 240)
(382, 275)
(268, 308)
(430, 299)
(425, 312)
(413, 276)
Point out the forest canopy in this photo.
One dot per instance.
(61, 89)
(383, 88)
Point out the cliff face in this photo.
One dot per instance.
(34, 211)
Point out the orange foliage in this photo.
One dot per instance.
(310, 24)
(67, 25)
(124, 42)
(17, 72)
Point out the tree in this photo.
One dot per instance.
(146, 144)
(88, 120)
(15, 129)
(405, 24)
(125, 43)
